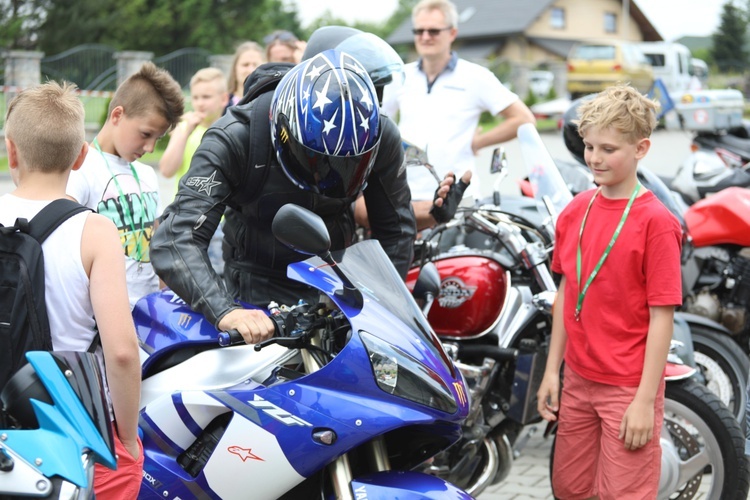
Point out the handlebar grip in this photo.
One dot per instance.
(231, 337)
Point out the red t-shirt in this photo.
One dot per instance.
(608, 344)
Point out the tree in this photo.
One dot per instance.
(728, 51)
(161, 26)
(20, 21)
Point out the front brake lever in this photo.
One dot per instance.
(296, 342)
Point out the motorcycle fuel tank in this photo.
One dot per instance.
(473, 289)
(721, 218)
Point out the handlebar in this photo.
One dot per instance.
(233, 337)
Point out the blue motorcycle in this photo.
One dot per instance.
(349, 397)
(55, 426)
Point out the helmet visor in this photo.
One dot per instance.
(382, 63)
(332, 176)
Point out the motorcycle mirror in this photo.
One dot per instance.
(499, 161)
(416, 156)
(428, 281)
(301, 230)
(305, 232)
(427, 286)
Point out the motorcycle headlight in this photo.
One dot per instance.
(399, 374)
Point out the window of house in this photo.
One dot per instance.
(557, 18)
(610, 22)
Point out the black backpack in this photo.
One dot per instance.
(24, 325)
(259, 87)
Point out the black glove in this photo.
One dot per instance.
(446, 212)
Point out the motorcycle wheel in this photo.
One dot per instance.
(703, 447)
(724, 367)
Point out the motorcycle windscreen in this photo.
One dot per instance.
(372, 272)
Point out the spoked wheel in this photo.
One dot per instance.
(703, 448)
(724, 367)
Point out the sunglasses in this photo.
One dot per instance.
(431, 31)
(282, 36)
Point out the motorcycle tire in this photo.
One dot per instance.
(724, 367)
(697, 424)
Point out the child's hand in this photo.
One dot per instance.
(193, 119)
(548, 397)
(637, 426)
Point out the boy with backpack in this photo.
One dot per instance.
(83, 266)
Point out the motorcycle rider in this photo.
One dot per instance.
(448, 194)
(330, 143)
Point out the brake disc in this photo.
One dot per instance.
(687, 446)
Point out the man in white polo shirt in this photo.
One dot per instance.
(440, 102)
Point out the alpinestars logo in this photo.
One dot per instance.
(203, 184)
(244, 453)
(454, 292)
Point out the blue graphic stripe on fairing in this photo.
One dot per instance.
(151, 431)
(185, 416)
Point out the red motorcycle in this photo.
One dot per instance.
(493, 315)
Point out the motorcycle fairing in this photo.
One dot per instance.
(274, 418)
(721, 218)
(404, 485)
(65, 430)
(379, 282)
(164, 323)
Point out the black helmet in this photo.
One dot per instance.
(378, 58)
(571, 137)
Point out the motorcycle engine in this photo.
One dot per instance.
(734, 314)
(727, 304)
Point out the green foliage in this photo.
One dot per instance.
(20, 22)
(530, 99)
(552, 94)
(160, 26)
(728, 51)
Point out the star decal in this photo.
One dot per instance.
(364, 123)
(314, 72)
(204, 184)
(329, 125)
(322, 97)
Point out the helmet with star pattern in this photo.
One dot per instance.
(325, 124)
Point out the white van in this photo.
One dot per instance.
(671, 63)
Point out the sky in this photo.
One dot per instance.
(672, 18)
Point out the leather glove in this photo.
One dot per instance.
(446, 212)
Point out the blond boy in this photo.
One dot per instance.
(114, 183)
(84, 265)
(618, 251)
(209, 97)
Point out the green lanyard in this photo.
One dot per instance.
(124, 203)
(582, 293)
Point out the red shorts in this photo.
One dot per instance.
(590, 458)
(123, 483)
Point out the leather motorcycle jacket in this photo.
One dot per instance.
(230, 176)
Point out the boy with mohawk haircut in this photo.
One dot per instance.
(114, 183)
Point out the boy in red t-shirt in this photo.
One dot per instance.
(618, 251)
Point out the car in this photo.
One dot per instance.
(597, 64)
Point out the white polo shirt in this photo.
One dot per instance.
(442, 118)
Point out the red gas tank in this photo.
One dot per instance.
(722, 218)
(473, 289)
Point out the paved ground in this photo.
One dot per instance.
(529, 477)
